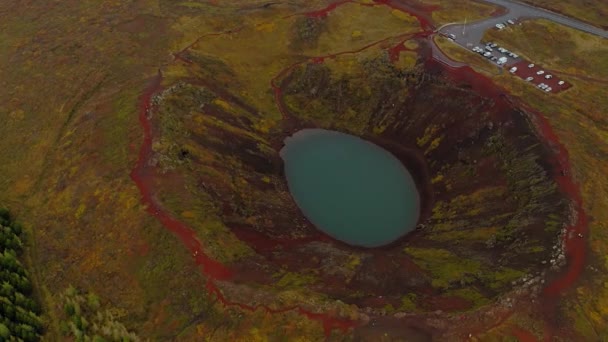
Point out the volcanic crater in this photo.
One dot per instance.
(491, 211)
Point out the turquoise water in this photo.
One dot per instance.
(349, 188)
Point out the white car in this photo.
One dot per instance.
(493, 45)
(531, 65)
(548, 77)
(513, 69)
(529, 79)
(540, 72)
(548, 89)
(514, 55)
(510, 21)
(561, 82)
(487, 54)
(489, 48)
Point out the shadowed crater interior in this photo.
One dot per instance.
(490, 212)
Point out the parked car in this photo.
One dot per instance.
(531, 65)
(510, 21)
(493, 45)
(548, 89)
(561, 82)
(487, 54)
(529, 79)
(494, 58)
(513, 69)
(548, 77)
(540, 72)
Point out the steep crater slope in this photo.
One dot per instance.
(491, 213)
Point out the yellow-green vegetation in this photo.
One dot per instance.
(87, 320)
(466, 207)
(555, 46)
(408, 303)
(357, 77)
(445, 266)
(592, 11)
(19, 310)
(268, 44)
(295, 280)
(502, 275)
(457, 11)
(470, 294)
(461, 54)
(450, 272)
(481, 234)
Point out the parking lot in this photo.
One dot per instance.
(536, 75)
(529, 72)
(496, 54)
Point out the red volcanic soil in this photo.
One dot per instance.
(523, 335)
(143, 174)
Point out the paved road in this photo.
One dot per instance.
(474, 31)
(531, 11)
(471, 34)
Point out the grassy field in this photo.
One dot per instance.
(592, 11)
(73, 72)
(578, 117)
(556, 47)
(456, 11)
